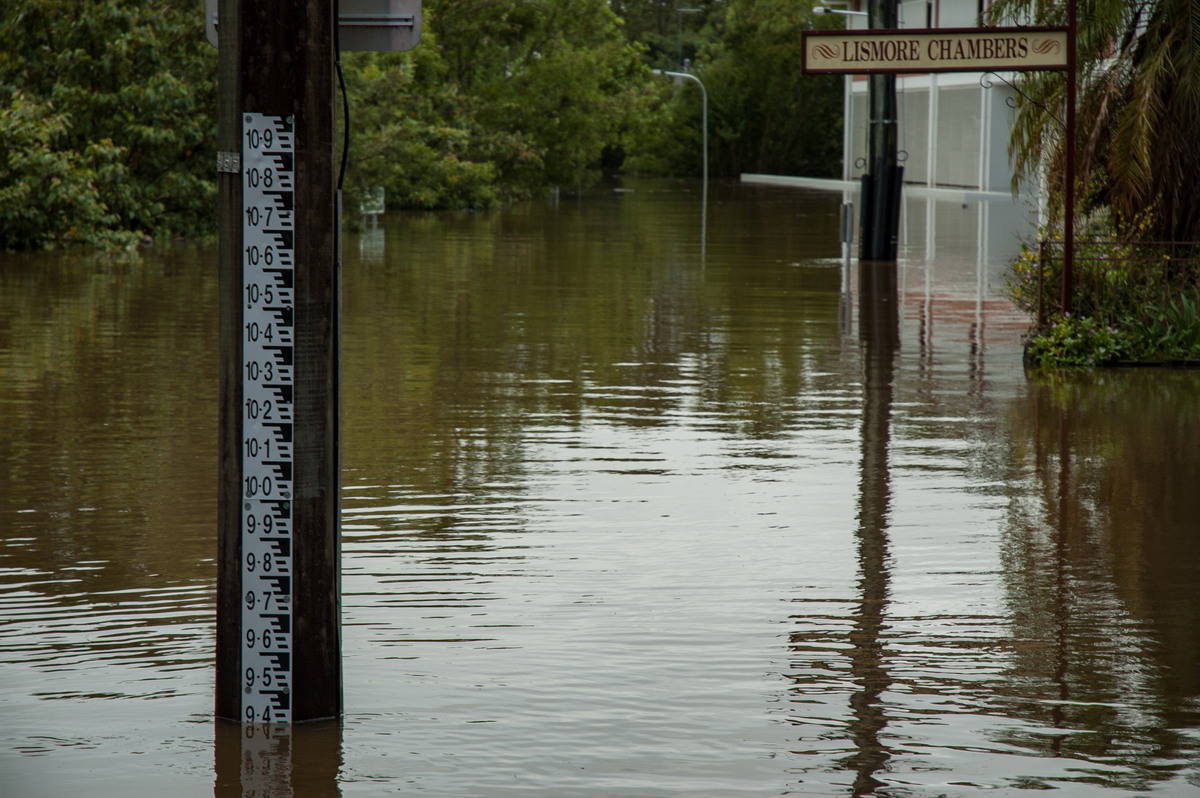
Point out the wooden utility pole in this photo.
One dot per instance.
(278, 582)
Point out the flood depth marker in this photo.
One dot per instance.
(268, 381)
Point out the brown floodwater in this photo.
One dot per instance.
(640, 498)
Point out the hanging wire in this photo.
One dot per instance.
(337, 61)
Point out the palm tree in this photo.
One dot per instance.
(1138, 131)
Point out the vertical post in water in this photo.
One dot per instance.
(278, 585)
(883, 181)
(1068, 272)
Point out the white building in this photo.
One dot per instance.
(953, 142)
(953, 127)
(960, 224)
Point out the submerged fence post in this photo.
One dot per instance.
(1041, 284)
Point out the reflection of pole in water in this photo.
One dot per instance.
(278, 761)
(845, 310)
(372, 244)
(253, 759)
(879, 336)
(1062, 612)
(879, 320)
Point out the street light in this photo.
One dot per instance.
(842, 11)
(704, 145)
(703, 114)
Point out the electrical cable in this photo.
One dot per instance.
(337, 61)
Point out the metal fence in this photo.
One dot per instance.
(1114, 279)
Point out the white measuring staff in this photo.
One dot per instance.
(268, 380)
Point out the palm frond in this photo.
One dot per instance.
(1139, 108)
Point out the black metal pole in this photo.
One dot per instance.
(881, 185)
(1068, 273)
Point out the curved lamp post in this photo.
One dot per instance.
(703, 115)
(704, 145)
(842, 11)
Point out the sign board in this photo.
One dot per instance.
(374, 25)
(372, 202)
(921, 50)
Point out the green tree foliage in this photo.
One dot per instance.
(501, 99)
(673, 34)
(48, 194)
(414, 134)
(107, 107)
(765, 115)
(107, 111)
(504, 98)
(1138, 110)
(769, 116)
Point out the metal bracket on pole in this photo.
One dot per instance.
(363, 25)
(229, 163)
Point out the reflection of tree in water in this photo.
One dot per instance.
(599, 310)
(104, 421)
(106, 499)
(1102, 564)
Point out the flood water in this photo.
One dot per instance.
(637, 501)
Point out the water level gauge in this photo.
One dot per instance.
(268, 378)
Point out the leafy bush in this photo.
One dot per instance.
(1168, 332)
(1156, 333)
(1073, 342)
(48, 195)
(1132, 300)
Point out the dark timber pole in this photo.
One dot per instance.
(1068, 273)
(276, 58)
(881, 185)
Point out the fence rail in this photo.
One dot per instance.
(1113, 279)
